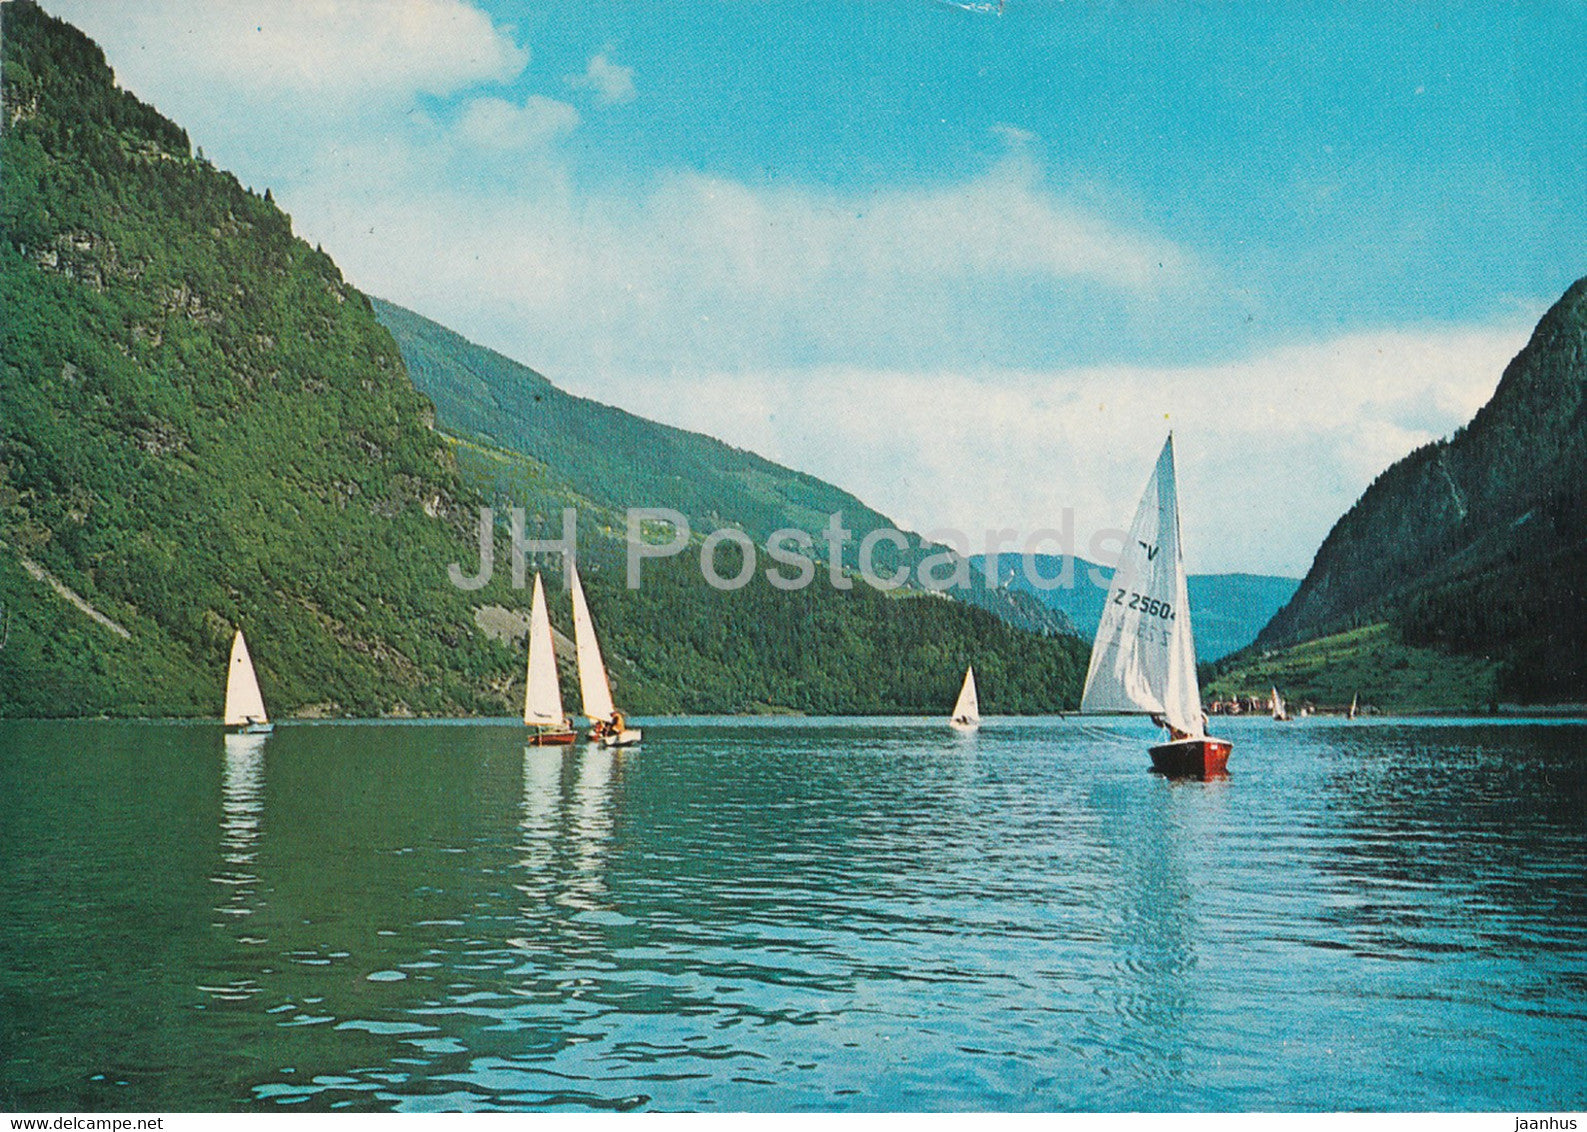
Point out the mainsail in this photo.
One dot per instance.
(542, 703)
(968, 708)
(244, 704)
(593, 687)
(1144, 658)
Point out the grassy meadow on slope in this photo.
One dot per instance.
(1373, 662)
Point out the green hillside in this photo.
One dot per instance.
(203, 426)
(605, 453)
(1477, 545)
(1374, 663)
(620, 460)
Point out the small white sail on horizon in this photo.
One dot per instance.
(1353, 698)
(542, 704)
(244, 703)
(1144, 658)
(967, 710)
(1276, 702)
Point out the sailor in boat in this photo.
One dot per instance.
(1175, 734)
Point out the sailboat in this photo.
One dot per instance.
(245, 710)
(1352, 713)
(1144, 658)
(967, 710)
(608, 726)
(1276, 703)
(542, 698)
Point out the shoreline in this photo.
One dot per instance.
(1552, 712)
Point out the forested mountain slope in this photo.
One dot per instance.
(203, 426)
(1478, 544)
(621, 460)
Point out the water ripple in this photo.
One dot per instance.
(799, 915)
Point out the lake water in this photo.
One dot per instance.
(792, 914)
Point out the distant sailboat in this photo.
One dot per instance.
(608, 725)
(542, 700)
(245, 710)
(967, 711)
(1144, 658)
(1276, 703)
(1352, 713)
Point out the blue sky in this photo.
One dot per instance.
(967, 265)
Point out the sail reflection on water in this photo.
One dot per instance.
(542, 801)
(232, 977)
(242, 802)
(591, 829)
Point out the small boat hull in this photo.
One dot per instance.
(627, 737)
(964, 724)
(1192, 758)
(251, 728)
(552, 737)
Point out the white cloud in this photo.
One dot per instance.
(1012, 136)
(495, 123)
(345, 51)
(611, 82)
(703, 272)
(1272, 449)
(870, 337)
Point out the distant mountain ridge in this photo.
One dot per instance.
(1228, 610)
(1477, 544)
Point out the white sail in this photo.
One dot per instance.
(968, 707)
(542, 702)
(594, 689)
(1144, 658)
(1352, 707)
(1276, 702)
(244, 704)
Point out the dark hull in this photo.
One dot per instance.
(1192, 758)
(551, 738)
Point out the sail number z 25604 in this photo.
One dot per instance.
(1147, 605)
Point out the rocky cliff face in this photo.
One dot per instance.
(1477, 543)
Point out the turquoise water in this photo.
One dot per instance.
(792, 914)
